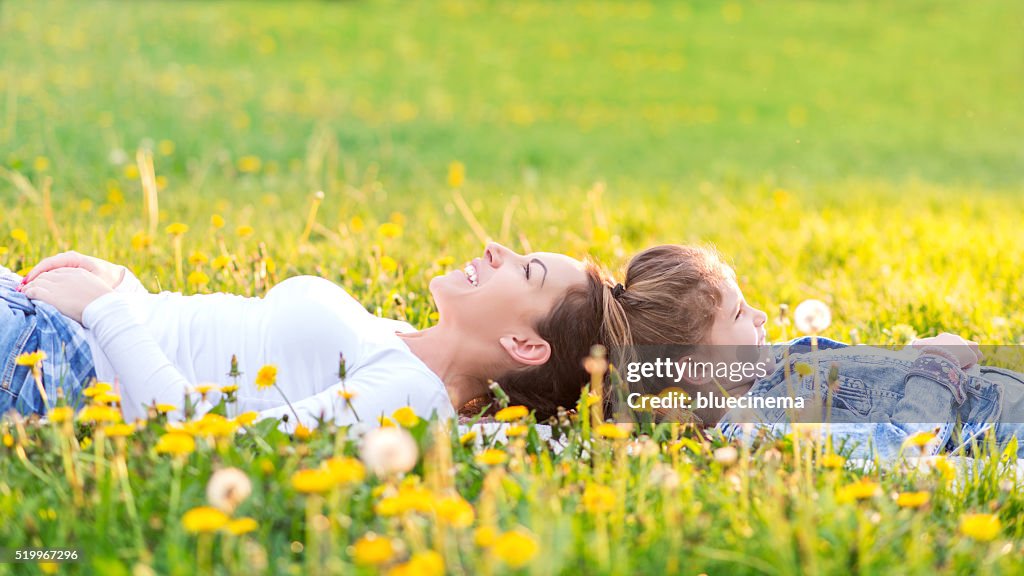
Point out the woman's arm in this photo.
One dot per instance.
(147, 376)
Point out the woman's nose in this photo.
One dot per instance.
(495, 254)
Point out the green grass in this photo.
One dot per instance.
(863, 153)
(647, 93)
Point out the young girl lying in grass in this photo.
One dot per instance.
(685, 298)
(524, 320)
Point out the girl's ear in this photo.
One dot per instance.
(531, 351)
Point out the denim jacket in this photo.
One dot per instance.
(880, 399)
(29, 326)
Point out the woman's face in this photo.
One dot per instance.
(500, 296)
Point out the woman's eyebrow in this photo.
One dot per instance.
(537, 260)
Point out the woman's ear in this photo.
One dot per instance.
(532, 351)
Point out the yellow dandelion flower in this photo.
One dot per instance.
(97, 389)
(406, 417)
(244, 231)
(345, 470)
(241, 526)
(215, 425)
(372, 550)
(30, 358)
(512, 413)
(20, 235)
(176, 443)
(598, 499)
(217, 221)
(119, 430)
(860, 490)
(803, 369)
(467, 437)
(516, 430)
(347, 394)
(41, 164)
(204, 519)
(165, 147)
(230, 389)
(141, 241)
(266, 377)
(197, 257)
(165, 408)
(312, 481)
(246, 418)
(131, 171)
(99, 413)
(107, 398)
(920, 439)
(220, 262)
(85, 443)
(61, 414)
(456, 174)
(249, 164)
(912, 499)
(833, 461)
(485, 536)
(614, 431)
(8, 440)
(455, 511)
(389, 230)
(388, 264)
(516, 548)
(980, 527)
(198, 278)
(302, 433)
(203, 389)
(356, 225)
(426, 563)
(491, 457)
(176, 229)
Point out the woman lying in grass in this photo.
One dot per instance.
(685, 299)
(523, 320)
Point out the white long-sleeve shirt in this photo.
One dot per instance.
(158, 346)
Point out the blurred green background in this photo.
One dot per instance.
(648, 92)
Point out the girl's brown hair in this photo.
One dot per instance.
(672, 293)
(585, 316)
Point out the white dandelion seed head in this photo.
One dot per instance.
(812, 317)
(227, 488)
(387, 451)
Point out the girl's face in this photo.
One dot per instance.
(738, 331)
(500, 296)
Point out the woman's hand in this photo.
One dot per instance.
(69, 290)
(110, 274)
(966, 352)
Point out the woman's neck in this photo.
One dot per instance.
(453, 358)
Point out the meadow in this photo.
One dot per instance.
(861, 153)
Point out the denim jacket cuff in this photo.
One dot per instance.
(939, 368)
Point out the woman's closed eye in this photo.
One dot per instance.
(527, 269)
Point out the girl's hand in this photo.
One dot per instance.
(69, 290)
(966, 352)
(110, 274)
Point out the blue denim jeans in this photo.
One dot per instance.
(29, 326)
